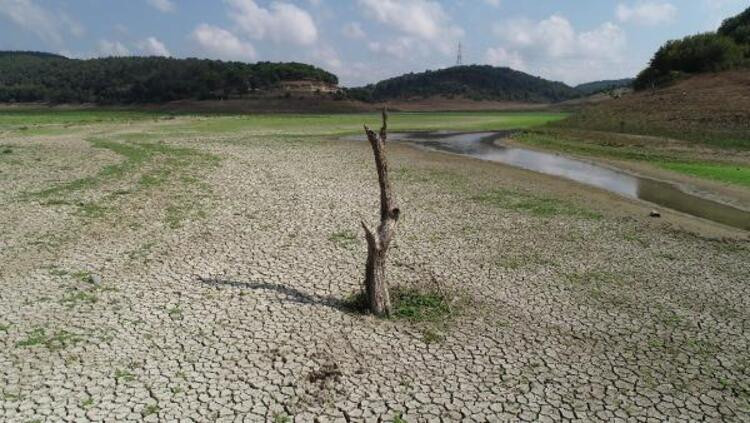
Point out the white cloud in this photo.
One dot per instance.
(553, 48)
(281, 22)
(218, 42)
(400, 47)
(555, 35)
(499, 56)
(151, 46)
(647, 13)
(50, 27)
(112, 49)
(424, 26)
(494, 3)
(353, 30)
(162, 5)
(419, 18)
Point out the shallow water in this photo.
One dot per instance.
(483, 146)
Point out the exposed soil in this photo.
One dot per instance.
(708, 104)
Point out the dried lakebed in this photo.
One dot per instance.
(484, 146)
(151, 275)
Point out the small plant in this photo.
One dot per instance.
(150, 409)
(175, 313)
(124, 375)
(281, 418)
(431, 335)
(343, 239)
(70, 300)
(88, 402)
(399, 418)
(35, 337)
(57, 341)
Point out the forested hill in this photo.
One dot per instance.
(602, 86)
(478, 82)
(31, 76)
(727, 48)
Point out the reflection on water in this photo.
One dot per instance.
(483, 146)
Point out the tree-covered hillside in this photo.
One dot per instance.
(29, 76)
(728, 48)
(602, 86)
(475, 82)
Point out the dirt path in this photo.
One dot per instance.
(215, 292)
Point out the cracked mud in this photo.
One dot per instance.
(201, 277)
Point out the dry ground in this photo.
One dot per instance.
(203, 279)
(712, 107)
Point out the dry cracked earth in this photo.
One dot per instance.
(149, 273)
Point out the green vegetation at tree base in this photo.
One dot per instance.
(415, 304)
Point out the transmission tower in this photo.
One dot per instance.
(460, 56)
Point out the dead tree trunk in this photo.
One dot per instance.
(376, 285)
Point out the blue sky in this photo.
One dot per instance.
(364, 41)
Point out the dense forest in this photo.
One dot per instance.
(727, 48)
(604, 86)
(46, 77)
(31, 76)
(474, 82)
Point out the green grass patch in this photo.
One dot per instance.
(344, 238)
(728, 173)
(77, 297)
(603, 148)
(150, 409)
(123, 375)
(415, 304)
(152, 165)
(533, 204)
(135, 156)
(599, 119)
(58, 340)
(711, 170)
(428, 308)
(351, 123)
(30, 118)
(419, 305)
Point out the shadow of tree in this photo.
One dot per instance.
(292, 295)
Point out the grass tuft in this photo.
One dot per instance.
(59, 340)
(419, 305)
(344, 238)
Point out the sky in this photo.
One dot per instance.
(364, 41)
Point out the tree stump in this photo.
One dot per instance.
(376, 284)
